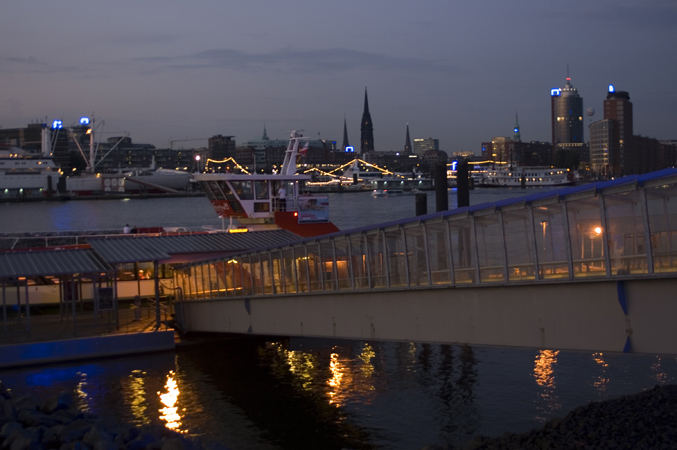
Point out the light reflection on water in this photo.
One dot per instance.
(291, 393)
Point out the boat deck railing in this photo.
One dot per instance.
(626, 228)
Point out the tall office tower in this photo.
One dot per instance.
(601, 137)
(407, 143)
(346, 143)
(618, 109)
(367, 129)
(516, 130)
(567, 115)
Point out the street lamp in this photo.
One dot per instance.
(197, 163)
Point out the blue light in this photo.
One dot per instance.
(612, 88)
(516, 130)
(84, 120)
(454, 165)
(57, 125)
(350, 148)
(555, 92)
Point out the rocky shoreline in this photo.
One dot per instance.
(27, 423)
(647, 420)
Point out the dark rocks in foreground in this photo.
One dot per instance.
(27, 423)
(647, 420)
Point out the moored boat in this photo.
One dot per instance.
(525, 176)
(253, 202)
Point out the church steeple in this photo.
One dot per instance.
(407, 143)
(346, 143)
(366, 129)
(265, 135)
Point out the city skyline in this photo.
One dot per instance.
(454, 72)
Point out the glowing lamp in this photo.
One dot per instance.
(612, 89)
(597, 230)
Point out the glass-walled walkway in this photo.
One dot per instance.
(616, 229)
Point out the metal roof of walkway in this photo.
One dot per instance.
(121, 249)
(50, 262)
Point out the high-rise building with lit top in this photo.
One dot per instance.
(567, 115)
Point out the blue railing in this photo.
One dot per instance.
(617, 229)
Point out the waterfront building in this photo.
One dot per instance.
(366, 128)
(220, 147)
(503, 149)
(422, 145)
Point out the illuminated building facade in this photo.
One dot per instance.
(567, 115)
(422, 145)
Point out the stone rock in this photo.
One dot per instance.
(10, 428)
(62, 401)
(75, 430)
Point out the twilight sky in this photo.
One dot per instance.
(454, 70)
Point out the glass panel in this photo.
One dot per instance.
(625, 223)
(662, 207)
(376, 259)
(438, 246)
(551, 241)
(289, 270)
(277, 272)
(302, 269)
(519, 244)
(416, 254)
(490, 251)
(261, 189)
(358, 251)
(327, 264)
(243, 189)
(586, 236)
(246, 269)
(268, 277)
(461, 250)
(211, 277)
(257, 288)
(397, 263)
(314, 266)
(342, 269)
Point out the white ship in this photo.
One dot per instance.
(23, 175)
(524, 176)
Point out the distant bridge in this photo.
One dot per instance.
(590, 267)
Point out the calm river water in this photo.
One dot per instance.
(251, 393)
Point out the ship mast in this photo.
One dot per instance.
(289, 164)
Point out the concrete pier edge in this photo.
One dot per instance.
(35, 353)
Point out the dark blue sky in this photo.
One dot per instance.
(456, 71)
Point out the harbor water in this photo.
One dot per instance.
(251, 393)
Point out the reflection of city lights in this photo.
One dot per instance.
(170, 398)
(366, 356)
(336, 376)
(544, 373)
(82, 397)
(137, 402)
(602, 380)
